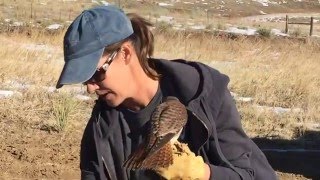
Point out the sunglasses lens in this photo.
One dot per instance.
(99, 76)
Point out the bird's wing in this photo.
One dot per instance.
(167, 120)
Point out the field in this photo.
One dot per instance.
(275, 80)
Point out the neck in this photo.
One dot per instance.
(145, 90)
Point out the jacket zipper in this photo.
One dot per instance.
(106, 167)
(103, 161)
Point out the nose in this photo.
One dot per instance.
(92, 87)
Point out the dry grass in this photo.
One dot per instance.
(275, 72)
(45, 11)
(42, 110)
(35, 59)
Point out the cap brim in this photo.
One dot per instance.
(79, 70)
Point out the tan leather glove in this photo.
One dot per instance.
(185, 165)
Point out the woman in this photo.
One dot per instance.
(111, 53)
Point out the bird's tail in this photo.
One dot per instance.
(161, 159)
(140, 159)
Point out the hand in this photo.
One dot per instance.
(185, 165)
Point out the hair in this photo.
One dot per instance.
(143, 42)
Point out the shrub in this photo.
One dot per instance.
(264, 32)
(296, 32)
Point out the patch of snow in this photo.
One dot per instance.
(261, 12)
(188, 2)
(241, 99)
(265, 3)
(167, 19)
(50, 89)
(105, 3)
(16, 24)
(164, 4)
(235, 30)
(279, 110)
(244, 99)
(278, 32)
(198, 27)
(16, 84)
(94, 2)
(239, 2)
(6, 94)
(7, 20)
(54, 26)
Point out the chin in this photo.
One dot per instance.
(112, 102)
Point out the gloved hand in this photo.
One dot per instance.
(185, 165)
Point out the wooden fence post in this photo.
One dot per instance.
(31, 9)
(207, 16)
(302, 23)
(287, 23)
(311, 26)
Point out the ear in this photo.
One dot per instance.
(127, 51)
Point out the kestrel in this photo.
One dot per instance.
(167, 122)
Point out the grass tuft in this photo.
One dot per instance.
(62, 110)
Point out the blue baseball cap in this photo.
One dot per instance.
(86, 38)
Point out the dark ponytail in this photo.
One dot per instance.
(143, 42)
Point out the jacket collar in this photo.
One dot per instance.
(192, 82)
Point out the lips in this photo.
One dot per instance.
(102, 93)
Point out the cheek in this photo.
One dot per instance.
(119, 82)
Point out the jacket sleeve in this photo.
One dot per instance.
(88, 154)
(232, 144)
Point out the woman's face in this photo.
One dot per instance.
(118, 83)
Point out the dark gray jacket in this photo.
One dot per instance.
(213, 130)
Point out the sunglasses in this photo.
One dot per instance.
(100, 73)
